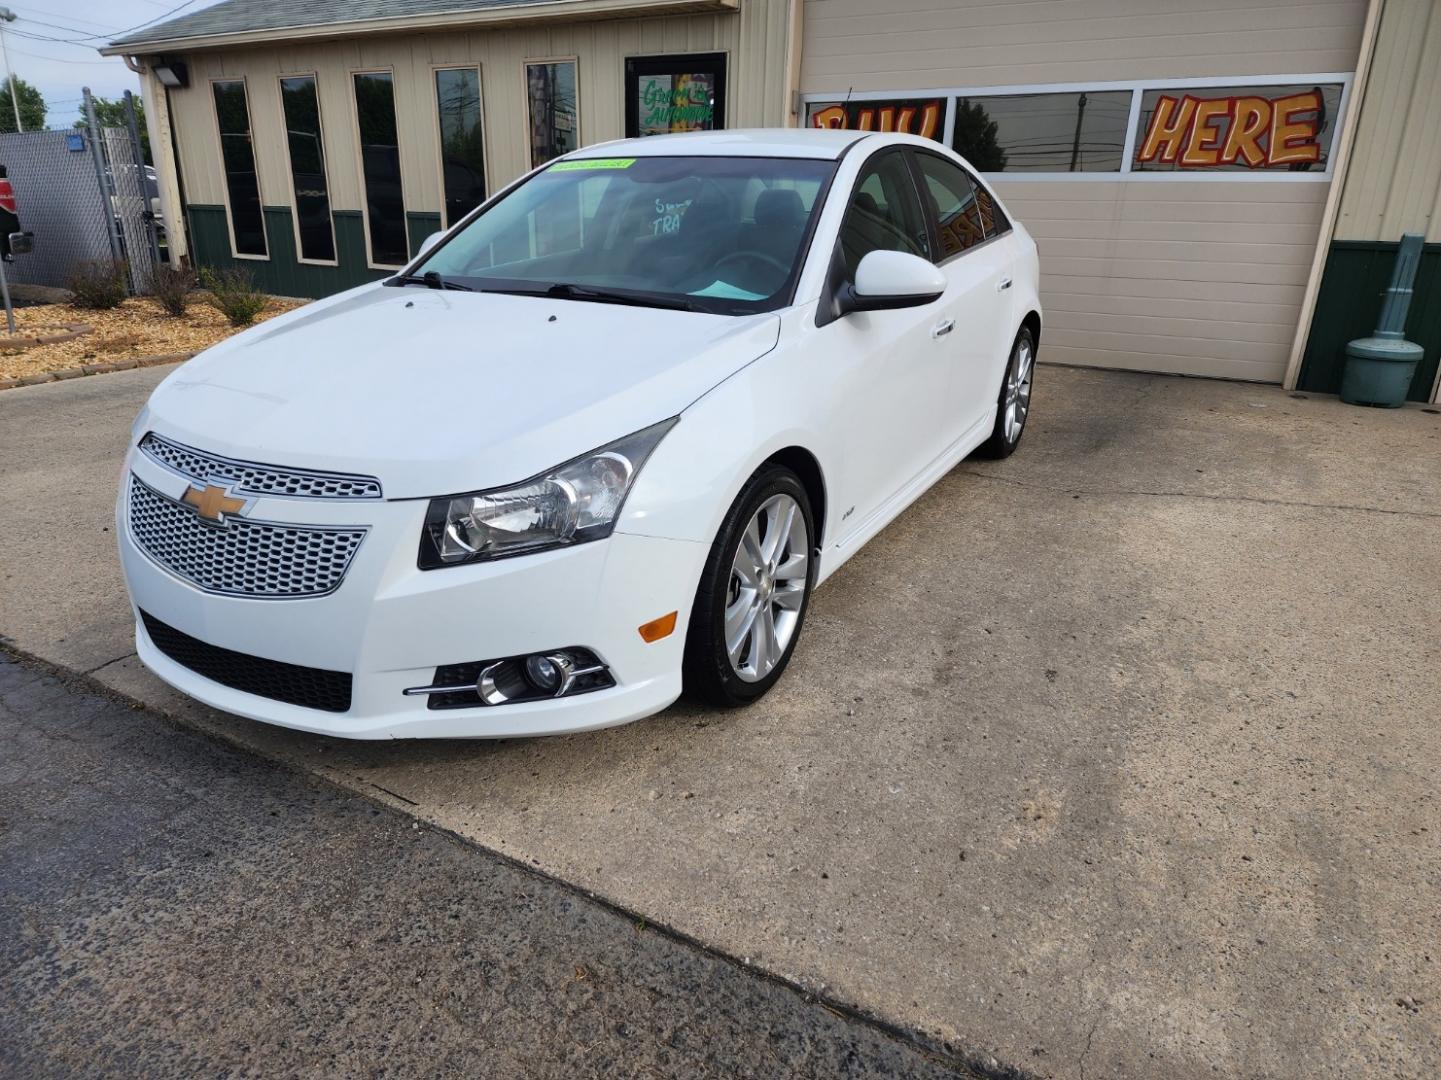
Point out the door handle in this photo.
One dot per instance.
(1003, 284)
(942, 328)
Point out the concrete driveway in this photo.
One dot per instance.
(1117, 758)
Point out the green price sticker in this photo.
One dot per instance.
(593, 163)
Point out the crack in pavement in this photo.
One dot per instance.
(1102, 492)
(107, 663)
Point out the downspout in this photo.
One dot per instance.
(1341, 152)
(167, 168)
(795, 27)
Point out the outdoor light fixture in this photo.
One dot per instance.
(172, 74)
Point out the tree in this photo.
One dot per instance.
(976, 137)
(110, 112)
(32, 106)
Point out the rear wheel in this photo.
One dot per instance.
(753, 593)
(1015, 400)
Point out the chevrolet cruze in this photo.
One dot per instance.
(596, 445)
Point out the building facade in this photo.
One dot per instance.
(1215, 190)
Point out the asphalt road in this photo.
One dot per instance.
(170, 905)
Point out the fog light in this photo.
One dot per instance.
(548, 673)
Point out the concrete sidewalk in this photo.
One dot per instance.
(1113, 759)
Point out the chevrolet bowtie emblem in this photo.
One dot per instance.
(212, 503)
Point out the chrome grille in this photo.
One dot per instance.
(262, 559)
(252, 479)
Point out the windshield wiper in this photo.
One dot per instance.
(566, 291)
(430, 279)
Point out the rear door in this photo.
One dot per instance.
(977, 256)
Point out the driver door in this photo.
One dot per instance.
(891, 368)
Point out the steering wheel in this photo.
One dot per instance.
(758, 256)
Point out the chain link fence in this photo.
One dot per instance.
(59, 199)
(87, 195)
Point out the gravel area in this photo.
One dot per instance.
(137, 328)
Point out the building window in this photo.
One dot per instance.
(924, 116)
(1081, 131)
(664, 94)
(554, 110)
(380, 168)
(1237, 129)
(1278, 126)
(462, 140)
(313, 226)
(237, 152)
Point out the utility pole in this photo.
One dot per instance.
(1076, 139)
(8, 16)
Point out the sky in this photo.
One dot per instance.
(61, 68)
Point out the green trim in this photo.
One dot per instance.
(418, 225)
(1349, 303)
(283, 274)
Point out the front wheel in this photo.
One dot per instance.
(753, 592)
(1015, 400)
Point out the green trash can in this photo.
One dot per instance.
(1379, 369)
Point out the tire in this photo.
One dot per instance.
(1006, 435)
(774, 596)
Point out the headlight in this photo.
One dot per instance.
(573, 503)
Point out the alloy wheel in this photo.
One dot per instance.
(767, 588)
(1018, 389)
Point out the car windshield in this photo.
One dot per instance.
(719, 234)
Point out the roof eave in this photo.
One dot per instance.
(484, 18)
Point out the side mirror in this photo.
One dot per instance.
(886, 280)
(428, 243)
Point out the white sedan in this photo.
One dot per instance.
(596, 445)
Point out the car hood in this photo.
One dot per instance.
(441, 392)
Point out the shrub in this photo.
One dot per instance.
(99, 284)
(233, 294)
(171, 286)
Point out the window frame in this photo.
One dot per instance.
(314, 76)
(634, 68)
(359, 146)
(525, 65)
(479, 69)
(224, 180)
(1137, 89)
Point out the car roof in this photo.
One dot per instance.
(821, 143)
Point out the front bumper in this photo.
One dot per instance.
(390, 625)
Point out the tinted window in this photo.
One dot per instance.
(953, 201)
(462, 142)
(554, 116)
(307, 168)
(238, 156)
(380, 168)
(1072, 132)
(885, 214)
(724, 234)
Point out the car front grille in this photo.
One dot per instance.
(242, 557)
(311, 688)
(248, 478)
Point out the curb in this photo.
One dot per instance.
(94, 369)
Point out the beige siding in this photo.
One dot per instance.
(1394, 182)
(864, 45)
(1197, 278)
(756, 93)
